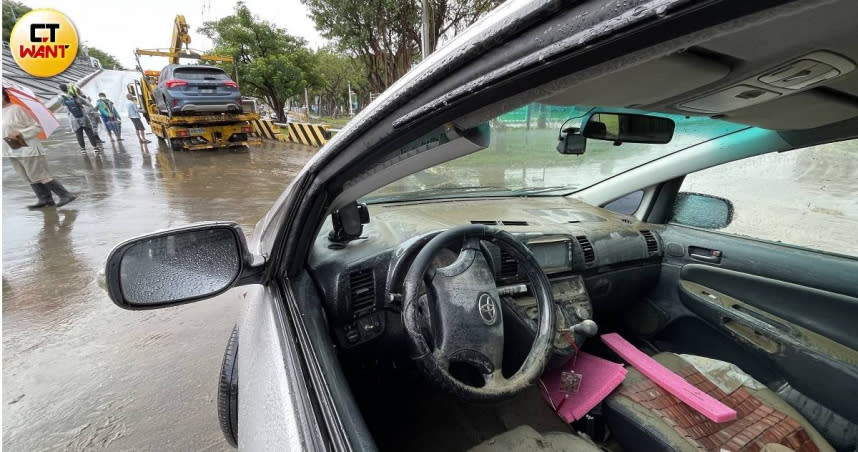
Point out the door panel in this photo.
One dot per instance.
(792, 308)
(823, 312)
(273, 409)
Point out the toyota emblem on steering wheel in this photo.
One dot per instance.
(488, 309)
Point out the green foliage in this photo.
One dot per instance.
(12, 11)
(337, 72)
(107, 60)
(386, 34)
(271, 64)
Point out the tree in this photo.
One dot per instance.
(337, 72)
(271, 64)
(12, 11)
(452, 16)
(107, 60)
(385, 34)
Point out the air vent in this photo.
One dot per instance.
(587, 248)
(651, 242)
(488, 222)
(362, 291)
(513, 223)
(508, 265)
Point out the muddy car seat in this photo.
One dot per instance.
(525, 438)
(644, 417)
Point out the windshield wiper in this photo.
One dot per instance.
(539, 190)
(438, 193)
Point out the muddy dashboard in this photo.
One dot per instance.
(596, 260)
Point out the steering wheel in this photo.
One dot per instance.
(462, 315)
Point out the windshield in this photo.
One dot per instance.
(522, 158)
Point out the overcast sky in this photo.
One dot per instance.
(119, 26)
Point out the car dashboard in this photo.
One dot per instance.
(597, 261)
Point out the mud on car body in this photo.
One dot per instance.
(520, 190)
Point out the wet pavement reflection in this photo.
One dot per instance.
(80, 373)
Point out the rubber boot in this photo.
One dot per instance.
(44, 195)
(65, 196)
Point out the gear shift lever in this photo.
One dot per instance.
(586, 328)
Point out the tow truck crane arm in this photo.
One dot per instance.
(179, 46)
(180, 37)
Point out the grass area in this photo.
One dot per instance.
(337, 122)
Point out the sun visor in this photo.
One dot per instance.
(804, 110)
(644, 84)
(442, 145)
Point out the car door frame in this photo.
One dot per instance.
(492, 65)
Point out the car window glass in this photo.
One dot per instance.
(806, 197)
(200, 74)
(522, 156)
(626, 205)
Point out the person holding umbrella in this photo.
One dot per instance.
(23, 147)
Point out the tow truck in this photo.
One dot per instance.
(186, 131)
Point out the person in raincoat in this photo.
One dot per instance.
(80, 121)
(110, 116)
(73, 90)
(22, 146)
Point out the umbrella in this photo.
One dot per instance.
(24, 97)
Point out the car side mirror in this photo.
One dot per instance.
(702, 211)
(177, 266)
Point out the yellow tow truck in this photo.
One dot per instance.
(190, 132)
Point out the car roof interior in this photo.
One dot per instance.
(792, 71)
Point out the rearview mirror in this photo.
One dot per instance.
(702, 211)
(628, 128)
(177, 266)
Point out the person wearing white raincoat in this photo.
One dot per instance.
(22, 146)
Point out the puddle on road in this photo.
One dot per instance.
(80, 373)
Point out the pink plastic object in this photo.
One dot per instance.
(671, 382)
(598, 378)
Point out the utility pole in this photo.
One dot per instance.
(428, 37)
(351, 113)
(306, 103)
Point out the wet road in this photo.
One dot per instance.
(80, 373)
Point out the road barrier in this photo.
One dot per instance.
(266, 128)
(309, 134)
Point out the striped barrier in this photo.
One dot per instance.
(267, 129)
(309, 134)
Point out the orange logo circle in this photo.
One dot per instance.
(43, 42)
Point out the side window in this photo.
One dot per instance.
(627, 205)
(806, 197)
